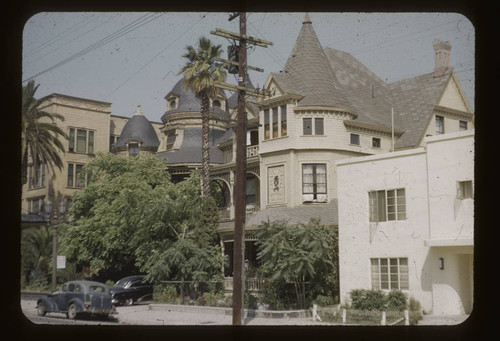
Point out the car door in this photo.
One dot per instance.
(60, 298)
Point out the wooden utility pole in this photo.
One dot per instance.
(240, 182)
(241, 153)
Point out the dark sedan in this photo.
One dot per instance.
(131, 289)
(78, 297)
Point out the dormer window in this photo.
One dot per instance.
(133, 149)
(172, 104)
(216, 104)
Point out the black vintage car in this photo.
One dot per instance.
(131, 289)
(78, 297)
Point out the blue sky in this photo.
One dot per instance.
(131, 58)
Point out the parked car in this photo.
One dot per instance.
(78, 297)
(131, 289)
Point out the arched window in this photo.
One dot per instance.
(216, 104)
(172, 104)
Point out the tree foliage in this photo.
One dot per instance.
(36, 252)
(304, 255)
(40, 135)
(131, 213)
(201, 71)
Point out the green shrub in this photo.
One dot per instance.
(396, 300)
(165, 294)
(109, 283)
(362, 299)
(250, 301)
(415, 309)
(323, 301)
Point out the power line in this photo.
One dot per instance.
(56, 37)
(141, 68)
(86, 32)
(122, 31)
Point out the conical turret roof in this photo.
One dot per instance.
(308, 72)
(138, 128)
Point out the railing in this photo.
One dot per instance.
(251, 284)
(252, 151)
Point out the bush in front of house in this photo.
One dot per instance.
(396, 300)
(362, 299)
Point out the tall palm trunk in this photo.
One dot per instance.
(205, 147)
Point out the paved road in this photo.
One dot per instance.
(140, 314)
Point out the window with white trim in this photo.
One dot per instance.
(275, 122)
(81, 141)
(75, 179)
(463, 125)
(314, 183)
(389, 273)
(375, 142)
(35, 205)
(354, 139)
(439, 125)
(133, 149)
(387, 205)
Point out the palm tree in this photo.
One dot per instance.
(40, 135)
(200, 74)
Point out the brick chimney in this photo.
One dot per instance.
(441, 57)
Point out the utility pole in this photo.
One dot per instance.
(241, 153)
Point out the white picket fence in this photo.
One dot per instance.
(342, 315)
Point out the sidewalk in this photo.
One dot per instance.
(442, 320)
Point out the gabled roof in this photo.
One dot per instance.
(307, 71)
(414, 100)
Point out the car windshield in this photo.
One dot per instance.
(123, 283)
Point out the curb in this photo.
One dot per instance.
(229, 311)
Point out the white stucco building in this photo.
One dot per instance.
(406, 221)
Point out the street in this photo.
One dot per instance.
(140, 314)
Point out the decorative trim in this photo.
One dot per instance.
(370, 128)
(453, 113)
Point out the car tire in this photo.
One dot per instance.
(129, 301)
(40, 309)
(71, 311)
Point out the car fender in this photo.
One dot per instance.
(80, 307)
(49, 304)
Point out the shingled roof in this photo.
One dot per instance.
(188, 102)
(414, 100)
(138, 128)
(190, 149)
(335, 78)
(307, 71)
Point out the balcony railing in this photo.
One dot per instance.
(252, 151)
(251, 284)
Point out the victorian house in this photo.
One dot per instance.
(325, 106)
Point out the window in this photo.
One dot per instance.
(38, 180)
(355, 139)
(81, 141)
(387, 205)
(35, 205)
(307, 125)
(71, 287)
(389, 273)
(275, 122)
(112, 141)
(133, 149)
(283, 120)
(318, 126)
(172, 104)
(464, 190)
(314, 182)
(439, 125)
(216, 104)
(375, 142)
(267, 131)
(170, 140)
(75, 179)
(78, 288)
(463, 125)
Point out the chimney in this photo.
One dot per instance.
(441, 57)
